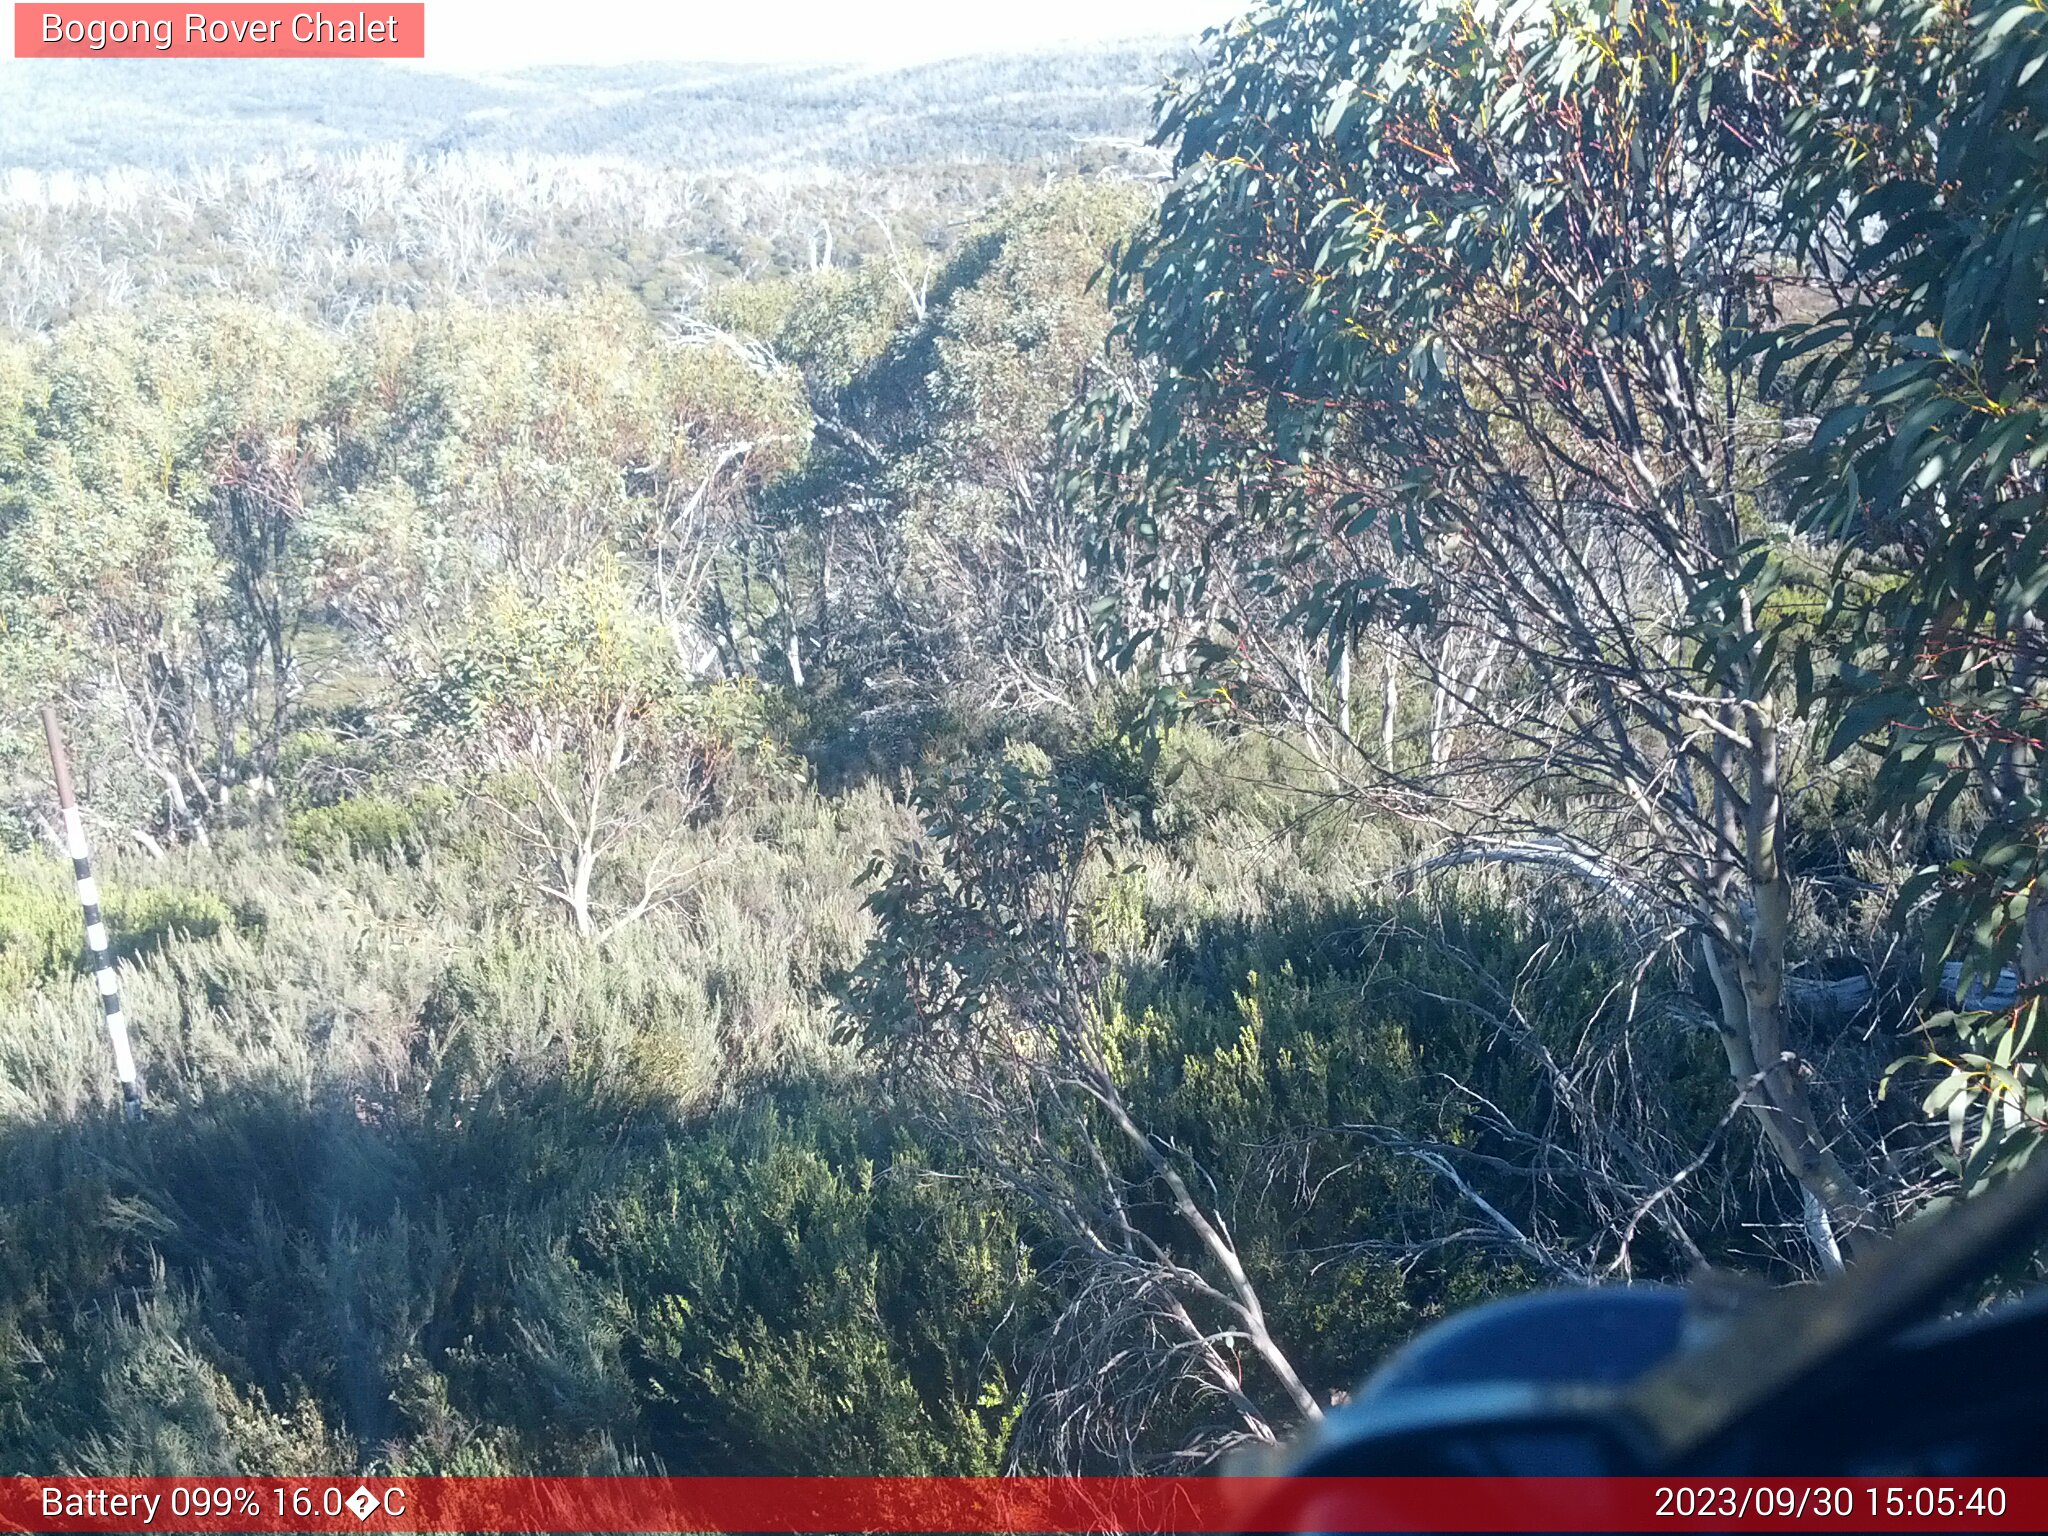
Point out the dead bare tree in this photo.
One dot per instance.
(563, 721)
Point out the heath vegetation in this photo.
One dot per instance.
(1006, 816)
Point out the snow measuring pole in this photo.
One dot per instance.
(95, 925)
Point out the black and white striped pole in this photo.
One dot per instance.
(95, 925)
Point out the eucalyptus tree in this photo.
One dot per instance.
(1920, 186)
(540, 498)
(989, 541)
(514, 445)
(161, 532)
(924, 556)
(1445, 315)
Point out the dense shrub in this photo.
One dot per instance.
(42, 936)
(541, 1284)
(428, 1184)
(325, 837)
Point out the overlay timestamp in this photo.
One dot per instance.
(1818, 1500)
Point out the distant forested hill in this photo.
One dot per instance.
(88, 116)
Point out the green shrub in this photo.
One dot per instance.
(806, 1297)
(373, 826)
(565, 1282)
(145, 921)
(40, 935)
(431, 1185)
(42, 932)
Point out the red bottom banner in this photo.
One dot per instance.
(1168, 1506)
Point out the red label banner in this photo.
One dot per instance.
(1168, 1506)
(376, 31)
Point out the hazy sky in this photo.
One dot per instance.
(502, 34)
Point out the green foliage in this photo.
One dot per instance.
(1358, 1087)
(416, 630)
(1917, 173)
(153, 917)
(1409, 248)
(430, 1186)
(370, 826)
(831, 324)
(1440, 344)
(421, 1176)
(809, 1295)
(42, 937)
(978, 912)
(581, 650)
(923, 538)
(153, 551)
(699, 1291)
(545, 438)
